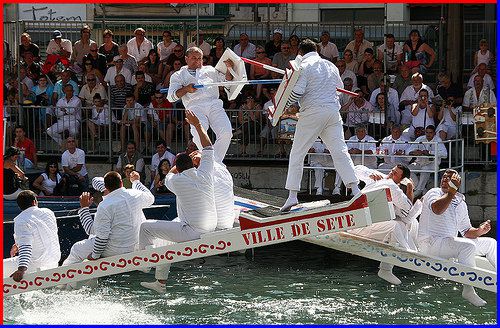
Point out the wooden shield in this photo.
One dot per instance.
(239, 73)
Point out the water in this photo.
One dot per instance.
(289, 283)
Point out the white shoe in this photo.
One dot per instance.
(470, 295)
(156, 286)
(290, 202)
(388, 276)
(336, 191)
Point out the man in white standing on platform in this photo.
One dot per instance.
(445, 213)
(319, 115)
(204, 102)
(194, 191)
(35, 233)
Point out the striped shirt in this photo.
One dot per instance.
(118, 95)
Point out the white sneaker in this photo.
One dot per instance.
(470, 295)
(290, 202)
(388, 276)
(156, 286)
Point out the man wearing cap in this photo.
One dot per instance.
(203, 45)
(274, 46)
(59, 46)
(327, 48)
(315, 96)
(82, 46)
(139, 46)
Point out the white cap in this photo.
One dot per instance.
(278, 30)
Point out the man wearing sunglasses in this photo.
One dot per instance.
(97, 59)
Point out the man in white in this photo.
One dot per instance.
(478, 95)
(161, 153)
(319, 116)
(410, 96)
(202, 44)
(393, 54)
(444, 214)
(68, 113)
(393, 145)
(425, 146)
(482, 70)
(139, 45)
(319, 158)
(73, 163)
(115, 229)
(59, 46)
(113, 71)
(422, 113)
(328, 49)
(90, 89)
(403, 229)
(36, 240)
(204, 102)
(346, 73)
(245, 48)
(194, 190)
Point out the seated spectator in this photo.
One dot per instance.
(410, 97)
(482, 70)
(90, 89)
(394, 146)
(360, 144)
(447, 117)
(68, 114)
(365, 69)
(82, 46)
(482, 56)
(178, 54)
(422, 114)
(245, 48)
(134, 116)
(139, 46)
(41, 95)
(166, 46)
(58, 49)
(33, 69)
(448, 90)
(383, 116)
(358, 46)
(402, 80)
(25, 79)
(162, 153)
(100, 119)
(420, 55)
(294, 44)
(22, 143)
(343, 97)
(131, 156)
(118, 93)
(478, 95)
(374, 78)
(154, 67)
(143, 90)
(98, 61)
(142, 68)
(358, 111)
(12, 174)
(392, 94)
(50, 182)
(281, 59)
(109, 48)
(129, 168)
(28, 46)
(199, 41)
(319, 159)
(176, 66)
(118, 69)
(393, 54)
(249, 122)
(346, 73)
(129, 61)
(159, 179)
(274, 46)
(260, 73)
(73, 163)
(160, 116)
(424, 147)
(350, 63)
(58, 92)
(217, 51)
(328, 49)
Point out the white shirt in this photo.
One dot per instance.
(141, 52)
(224, 196)
(365, 144)
(249, 51)
(71, 108)
(205, 74)
(352, 75)
(486, 96)
(87, 95)
(102, 117)
(392, 97)
(137, 111)
(38, 227)
(71, 160)
(365, 44)
(421, 143)
(155, 161)
(147, 78)
(454, 219)
(204, 46)
(422, 119)
(358, 115)
(410, 94)
(488, 81)
(391, 55)
(317, 83)
(391, 146)
(112, 73)
(194, 189)
(119, 217)
(49, 184)
(330, 51)
(165, 51)
(447, 120)
(54, 49)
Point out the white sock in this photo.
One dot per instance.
(388, 276)
(354, 189)
(291, 201)
(470, 295)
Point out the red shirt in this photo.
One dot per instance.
(164, 115)
(29, 148)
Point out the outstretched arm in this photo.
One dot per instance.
(194, 121)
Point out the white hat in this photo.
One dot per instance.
(278, 30)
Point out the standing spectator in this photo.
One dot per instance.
(118, 93)
(58, 91)
(118, 69)
(166, 46)
(50, 182)
(394, 146)
(328, 49)
(268, 130)
(28, 46)
(82, 46)
(129, 61)
(482, 56)
(350, 63)
(161, 117)
(27, 146)
(478, 95)
(416, 52)
(358, 111)
(245, 48)
(274, 46)
(73, 163)
(178, 54)
(402, 80)
(139, 46)
(448, 90)
(200, 42)
(153, 67)
(359, 45)
(294, 44)
(131, 156)
(346, 73)
(97, 60)
(422, 115)
(393, 54)
(101, 118)
(217, 51)
(68, 113)
(161, 154)
(410, 97)
(90, 89)
(482, 70)
(109, 48)
(281, 59)
(143, 90)
(133, 116)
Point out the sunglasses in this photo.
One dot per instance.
(53, 166)
(71, 141)
(90, 80)
(161, 97)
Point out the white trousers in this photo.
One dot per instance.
(463, 249)
(82, 249)
(327, 124)
(64, 123)
(11, 264)
(423, 177)
(213, 115)
(174, 230)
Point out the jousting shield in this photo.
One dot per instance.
(238, 71)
